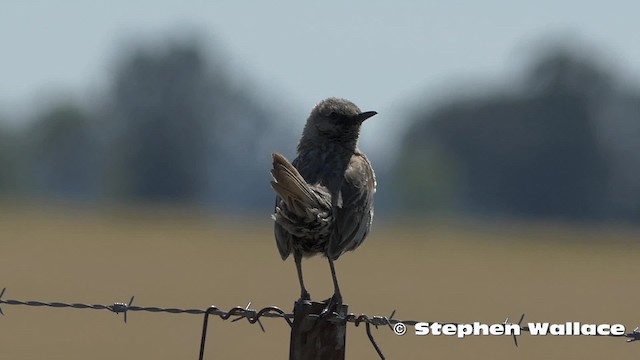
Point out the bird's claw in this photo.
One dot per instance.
(333, 304)
(305, 297)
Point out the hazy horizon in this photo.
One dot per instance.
(383, 56)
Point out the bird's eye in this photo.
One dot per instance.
(334, 115)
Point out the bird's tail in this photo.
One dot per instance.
(300, 197)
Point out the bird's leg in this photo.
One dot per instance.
(334, 301)
(337, 297)
(304, 294)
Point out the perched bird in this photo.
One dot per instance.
(324, 202)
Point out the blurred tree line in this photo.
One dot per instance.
(175, 126)
(563, 142)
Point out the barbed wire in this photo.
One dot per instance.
(253, 316)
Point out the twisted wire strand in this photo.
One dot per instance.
(253, 316)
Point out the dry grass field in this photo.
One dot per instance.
(425, 269)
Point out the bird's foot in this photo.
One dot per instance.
(333, 304)
(304, 296)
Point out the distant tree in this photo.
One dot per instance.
(161, 97)
(534, 152)
(186, 131)
(620, 134)
(63, 153)
(9, 161)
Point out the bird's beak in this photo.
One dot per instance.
(365, 115)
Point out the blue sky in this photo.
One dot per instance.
(382, 55)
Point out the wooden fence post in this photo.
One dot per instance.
(314, 338)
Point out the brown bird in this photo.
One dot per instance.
(324, 202)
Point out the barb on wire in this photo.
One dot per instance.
(122, 308)
(634, 335)
(2, 293)
(250, 313)
(515, 337)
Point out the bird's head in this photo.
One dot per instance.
(335, 119)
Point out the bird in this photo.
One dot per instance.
(324, 198)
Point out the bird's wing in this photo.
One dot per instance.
(353, 217)
(295, 195)
(283, 237)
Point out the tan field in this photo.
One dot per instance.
(429, 270)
